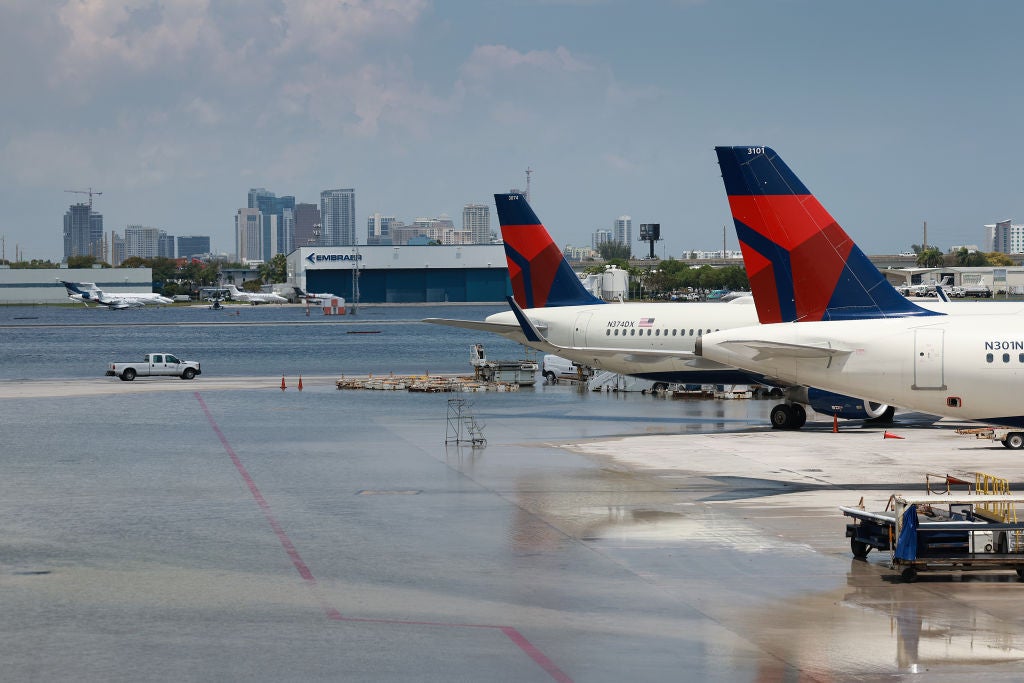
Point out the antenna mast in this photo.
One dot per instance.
(528, 172)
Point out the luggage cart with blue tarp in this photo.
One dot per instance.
(947, 533)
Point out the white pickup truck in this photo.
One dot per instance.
(155, 365)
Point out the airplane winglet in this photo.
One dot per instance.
(530, 330)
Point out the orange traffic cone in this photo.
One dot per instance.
(890, 435)
(282, 383)
(300, 382)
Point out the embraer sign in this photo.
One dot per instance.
(315, 258)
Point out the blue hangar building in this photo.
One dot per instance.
(403, 274)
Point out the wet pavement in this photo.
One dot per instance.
(234, 531)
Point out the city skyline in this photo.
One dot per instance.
(893, 114)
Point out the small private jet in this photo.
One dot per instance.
(254, 297)
(88, 292)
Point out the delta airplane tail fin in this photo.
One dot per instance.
(801, 264)
(541, 277)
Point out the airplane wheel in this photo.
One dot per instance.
(781, 416)
(128, 375)
(188, 373)
(860, 548)
(1014, 440)
(659, 387)
(799, 416)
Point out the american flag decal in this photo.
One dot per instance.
(646, 322)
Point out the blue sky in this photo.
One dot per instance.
(892, 113)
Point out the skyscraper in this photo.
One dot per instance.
(622, 231)
(278, 236)
(117, 249)
(249, 235)
(146, 242)
(83, 232)
(193, 245)
(165, 245)
(476, 219)
(378, 229)
(1004, 237)
(338, 217)
(307, 225)
(600, 237)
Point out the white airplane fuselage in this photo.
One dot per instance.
(646, 340)
(960, 366)
(255, 297)
(608, 336)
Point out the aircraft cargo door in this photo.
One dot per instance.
(579, 333)
(928, 359)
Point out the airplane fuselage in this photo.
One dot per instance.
(652, 341)
(970, 368)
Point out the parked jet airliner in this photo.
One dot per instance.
(654, 341)
(255, 297)
(854, 334)
(88, 292)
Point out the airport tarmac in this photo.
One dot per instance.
(237, 532)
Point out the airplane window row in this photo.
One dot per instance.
(657, 332)
(1006, 358)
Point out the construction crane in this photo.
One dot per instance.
(89, 192)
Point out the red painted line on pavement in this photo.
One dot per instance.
(528, 648)
(535, 654)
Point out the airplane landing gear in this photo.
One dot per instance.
(788, 416)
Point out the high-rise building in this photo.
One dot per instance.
(307, 225)
(83, 232)
(278, 228)
(146, 242)
(193, 245)
(378, 229)
(165, 245)
(601, 237)
(476, 219)
(249, 235)
(622, 231)
(433, 229)
(117, 249)
(1004, 237)
(338, 217)
(286, 234)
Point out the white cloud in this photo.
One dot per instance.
(359, 103)
(328, 28)
(487, 61)
(621, 164)
(137, 34)
(203, 111)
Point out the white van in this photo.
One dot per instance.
(555, 368)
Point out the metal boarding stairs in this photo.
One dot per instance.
(462, 426)
(606, 380)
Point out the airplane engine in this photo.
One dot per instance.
(828, 403)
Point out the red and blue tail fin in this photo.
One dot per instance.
(801, 264)
(541, 277)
